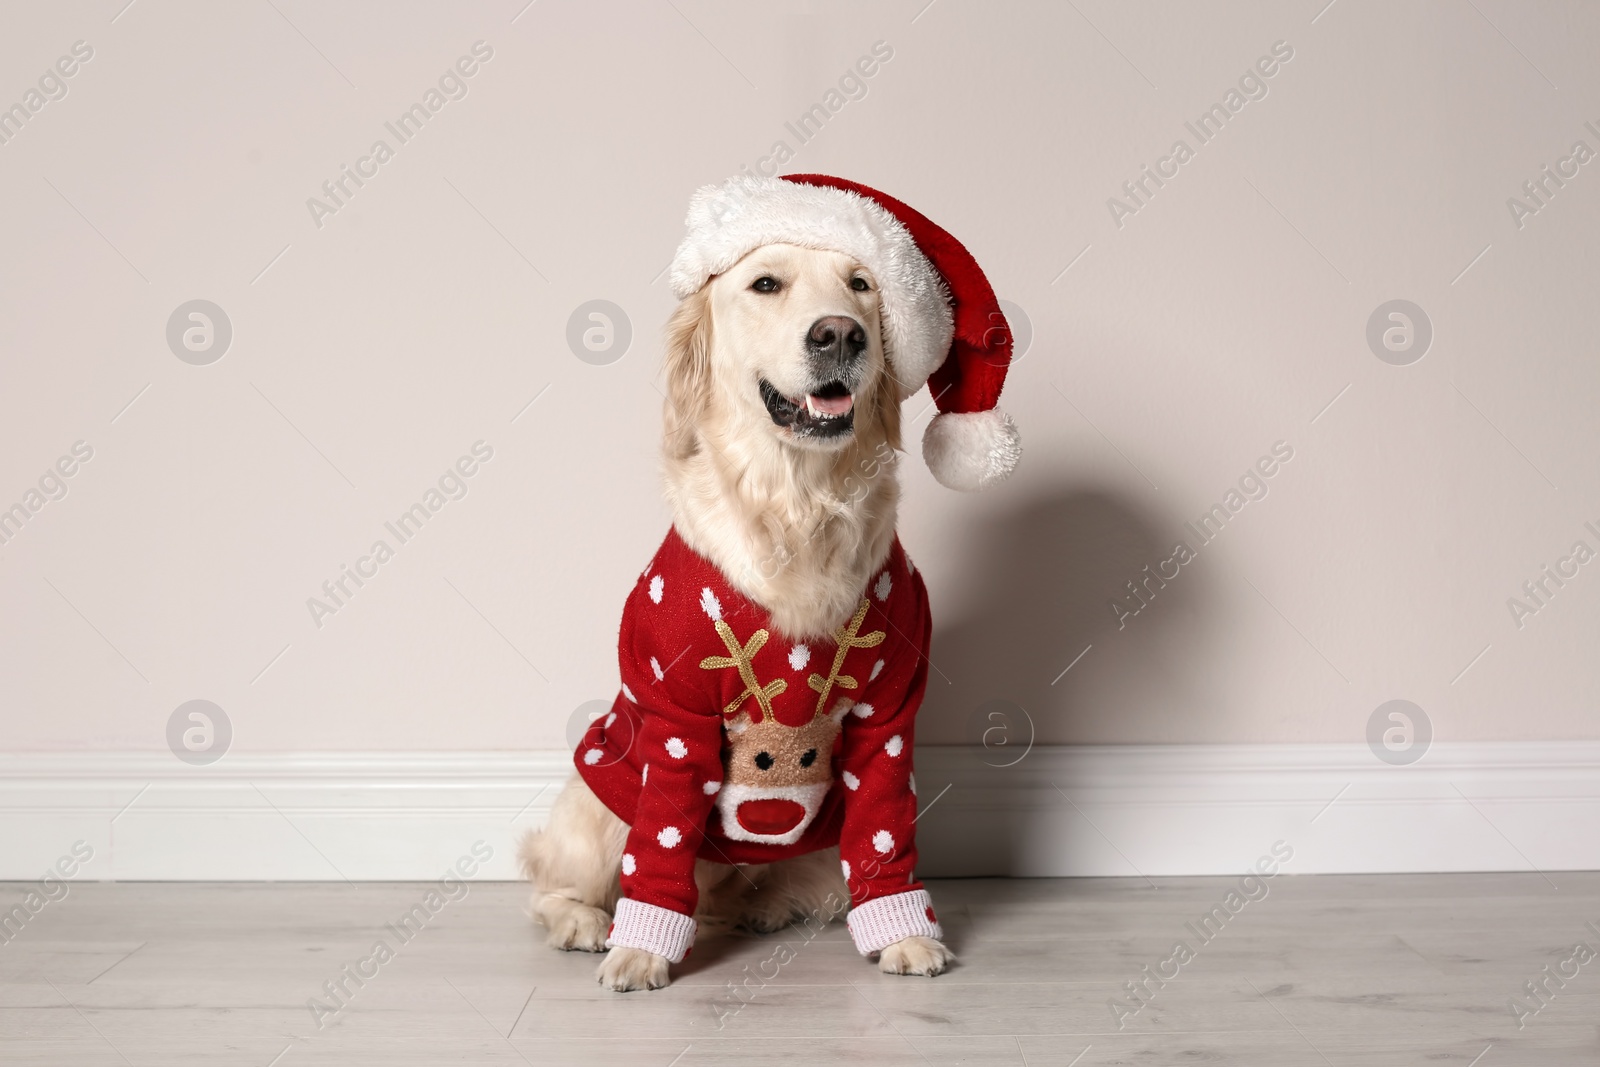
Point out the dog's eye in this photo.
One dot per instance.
(764, 760)
(859, 284)
(765, 284)
(809, 758)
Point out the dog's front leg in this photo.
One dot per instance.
(626, 969)
(916, 955)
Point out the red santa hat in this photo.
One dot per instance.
(941, 322)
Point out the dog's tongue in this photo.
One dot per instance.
(829, 405)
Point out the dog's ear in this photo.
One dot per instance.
(687, 366)
(886, 403)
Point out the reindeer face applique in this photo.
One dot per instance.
(775, 776)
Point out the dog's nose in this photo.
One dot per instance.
(836, 337)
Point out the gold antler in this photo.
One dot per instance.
(847, 637)
(740, 657)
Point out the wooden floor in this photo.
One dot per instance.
(1380, 970)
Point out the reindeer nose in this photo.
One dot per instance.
(836, 339)
(770, 815)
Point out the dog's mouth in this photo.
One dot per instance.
(828, 411)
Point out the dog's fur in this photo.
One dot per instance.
(796, 523)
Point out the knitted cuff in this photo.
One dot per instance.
(879, 923)
(660, 930)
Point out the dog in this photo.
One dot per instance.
(761, 774)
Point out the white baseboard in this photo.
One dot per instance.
(1111, 810)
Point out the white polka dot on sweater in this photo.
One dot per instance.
(657, 586)
(877, 669)
(883, 842)
(670, 837)
(912, 782)
(885, 583)
(710, 604)
(799, 656)
(844, 865)
(611, 718)
(644, 775)
(710, 788)
(592, 756)
(629, 864)
(634, 700)
(676, 748)
(911, 568)
(655, 666)
(851, 782)
(894, 746)
(863, 711)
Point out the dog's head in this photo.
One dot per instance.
(786, 343)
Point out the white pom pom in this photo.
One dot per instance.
(971, 450)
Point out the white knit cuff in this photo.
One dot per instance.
(879, 923)
(660, 930)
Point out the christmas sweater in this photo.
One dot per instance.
(732, 743)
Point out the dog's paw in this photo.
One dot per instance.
(579, 928)
(915, 955)
(626, 969)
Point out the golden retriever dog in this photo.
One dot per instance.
(781, 437)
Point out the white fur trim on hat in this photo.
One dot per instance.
(971, 450)
(728, 221)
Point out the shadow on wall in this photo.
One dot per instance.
(1035, 591)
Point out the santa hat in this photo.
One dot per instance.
(941, 322)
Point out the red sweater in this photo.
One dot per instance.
(723, 745)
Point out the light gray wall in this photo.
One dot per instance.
(1170, 349)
